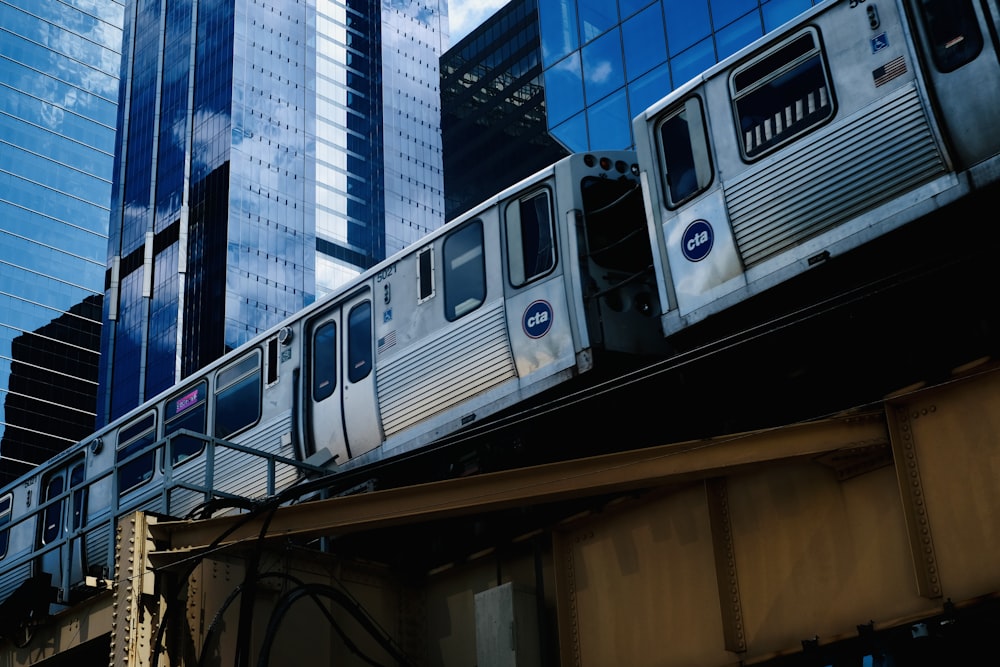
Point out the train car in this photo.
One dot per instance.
(848, 122)
(534, 287)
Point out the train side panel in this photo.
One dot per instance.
(487, 311)
(441, 336)
(808, 143)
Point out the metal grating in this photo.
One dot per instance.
(883, 151)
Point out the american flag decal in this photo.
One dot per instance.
(386, 341)
(889, 71)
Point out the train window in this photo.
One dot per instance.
(530, 238)
(272, 361)
(53, 522)
(52, 519)
(132, 439)
(425, 274)
(464, 271)
(953, 32)
(684, 150)
(79, 497)
(359, 342)
(782, 94)
(324, 361)
(186, 410)
(6, 504)
(237, 396)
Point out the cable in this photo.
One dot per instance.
(346, 603)
(172, 600)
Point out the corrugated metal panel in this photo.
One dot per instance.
(440, 373)
(98, 546)
(14, 578)
(885, 151)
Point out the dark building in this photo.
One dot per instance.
(59, 65)
(50, 390)
(493, 122)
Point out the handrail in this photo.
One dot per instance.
(162, 483)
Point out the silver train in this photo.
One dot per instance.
(524, 292)
(850, 121)
(854, 119)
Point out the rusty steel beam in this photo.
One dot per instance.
(611, 473)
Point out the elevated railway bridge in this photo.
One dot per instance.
(819, 484)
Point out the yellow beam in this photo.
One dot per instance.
(619, 472)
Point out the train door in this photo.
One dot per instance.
(61, 522)
(537, 311)
(342, 415)
(959, 42)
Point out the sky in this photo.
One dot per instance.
(466, 15)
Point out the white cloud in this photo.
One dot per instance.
(464, 16)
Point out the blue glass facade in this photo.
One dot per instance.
(606, 61)
(59, 66)
(268, 151)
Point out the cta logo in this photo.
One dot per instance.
(697, 240)
(537, 319)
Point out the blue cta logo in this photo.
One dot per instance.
(697, 240)
(537, 319)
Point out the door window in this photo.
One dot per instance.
(531, 250)
(324, 370)
(953, 32)
(684, 149)
(359, 342)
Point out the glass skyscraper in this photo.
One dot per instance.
(268, 150)
(59, 66)
(574, 73)
(608, 60)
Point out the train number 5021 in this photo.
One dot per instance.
(385, 273)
